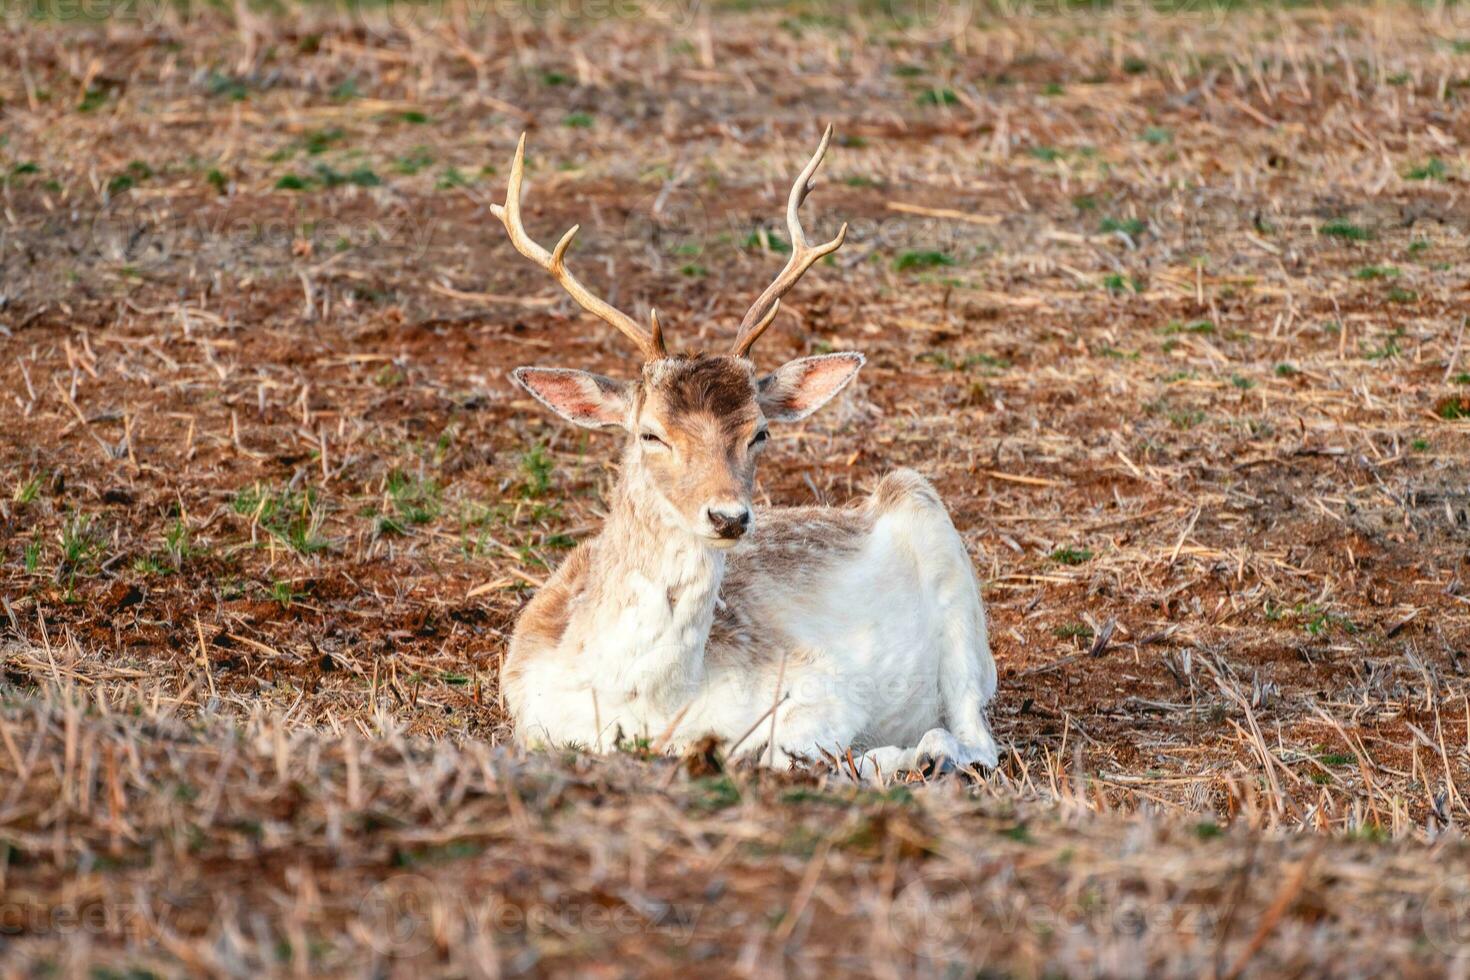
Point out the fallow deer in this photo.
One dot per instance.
(798, 633)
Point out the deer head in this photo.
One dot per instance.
(695, 423)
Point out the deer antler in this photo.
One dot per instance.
(803, 255)
(650, 342)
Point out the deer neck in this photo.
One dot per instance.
(658, 585)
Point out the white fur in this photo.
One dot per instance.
(888, 655)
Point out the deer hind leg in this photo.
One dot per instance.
(966, 667)
(967, 675)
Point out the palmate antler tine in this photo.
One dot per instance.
(650, 342)
(803, 256)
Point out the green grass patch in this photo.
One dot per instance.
(937, 96)
(319, 141)
(1116, 283)
(922, 260)
(1070, 556)
(413, 161)
(284, 593)
(1132, 227)
(1194, 326)
(92, 100)
(325, 176)
(1432, 169)
(81, 542)
(35, 554)
(715, 793)
(947, 361)
(1388, 350)
(1018, 833)
(767, 241)
(226, 87)
(412, 500)
(292, 517)
(450, 179)
(27, 491)
(1453, 409)
(1185, 418)
(535, 471)
(82, 545)
(135, 174)
(1346, 230)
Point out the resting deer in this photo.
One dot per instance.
(797, 633)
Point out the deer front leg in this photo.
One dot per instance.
(805, 732)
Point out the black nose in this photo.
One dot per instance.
(728, 523)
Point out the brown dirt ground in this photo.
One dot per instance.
(1171, 308)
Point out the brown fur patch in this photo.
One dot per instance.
(706, 406)
(544, 620)
(721, 386)
(794, 545)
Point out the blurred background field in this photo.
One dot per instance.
(1169, 300)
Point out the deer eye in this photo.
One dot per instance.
(760, 437)
(649, 439)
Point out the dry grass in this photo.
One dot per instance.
(1170, 307)
(232, 845)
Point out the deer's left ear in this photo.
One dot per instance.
(580, 397)
(798, 388)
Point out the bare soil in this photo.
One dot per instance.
(1171, 307)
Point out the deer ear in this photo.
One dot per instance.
(798, 388)
(580, 397)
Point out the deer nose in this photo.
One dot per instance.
(729, 521)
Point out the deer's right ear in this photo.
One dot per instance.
(580, 397)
